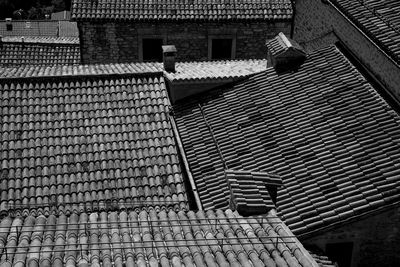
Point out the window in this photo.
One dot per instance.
(221, 48)
(152, 49)
(340, 253)
(221, 44)
(9, 27)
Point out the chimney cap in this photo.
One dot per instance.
(169, 49)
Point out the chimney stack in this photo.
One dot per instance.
(169, 54)
(284, 54)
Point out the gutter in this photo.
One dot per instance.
(185, 163)
(366, 36)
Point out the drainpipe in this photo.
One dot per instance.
(185, 163)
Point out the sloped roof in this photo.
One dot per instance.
(17, 50)
(181, 10)
(380, 20)
(249, 192)
(215, 70)
(87, 143)
(334, 141)
(213, 238)
(281, 44)
(30, 28)
(27, 72)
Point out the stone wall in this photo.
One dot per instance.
(315, 20)
(120, 41)
(375, 239)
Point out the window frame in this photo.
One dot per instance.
(149, 36)
(222, 34)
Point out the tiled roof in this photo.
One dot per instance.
(30, 28)
(80, 70)
(40, 39)
(16, 51)
(215, 70)
(323, 129)
(181, 10)
(380, 20)
(249, 192)
(87, 143)
(281, 43)
(213, 238)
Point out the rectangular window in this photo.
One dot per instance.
(221, 48)
(9, 27)
(152, 49)
(340, 253)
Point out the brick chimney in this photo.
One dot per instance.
(284, 54)
(252, 193)
(169, 54)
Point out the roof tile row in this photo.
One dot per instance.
(323, 129)
(182, 10)
(379, 19)
(87, 143)
(213, 238)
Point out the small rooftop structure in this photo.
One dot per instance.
(284, 54)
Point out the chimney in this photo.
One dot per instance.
(284, 54)
(252, 193)
(169, 54)
(9, 26)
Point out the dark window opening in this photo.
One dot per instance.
(221, 49)
(9, 27)
(152, 50)
(340, 253)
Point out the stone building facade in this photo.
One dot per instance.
(110, 42)
(319, 23)
(130, 31)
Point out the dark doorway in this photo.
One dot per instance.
(152, 49)
(221, 49)
(340, 253)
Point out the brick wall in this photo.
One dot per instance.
(120, 42)
(314, 20)
(375, 239)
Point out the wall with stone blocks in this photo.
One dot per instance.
(110, 42)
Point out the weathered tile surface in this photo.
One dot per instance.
(215, 70)
(17, 50)
(380, 20)
(182, 10)
(149, 238)
(18, 72)
(334, 141)
(87, 143)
